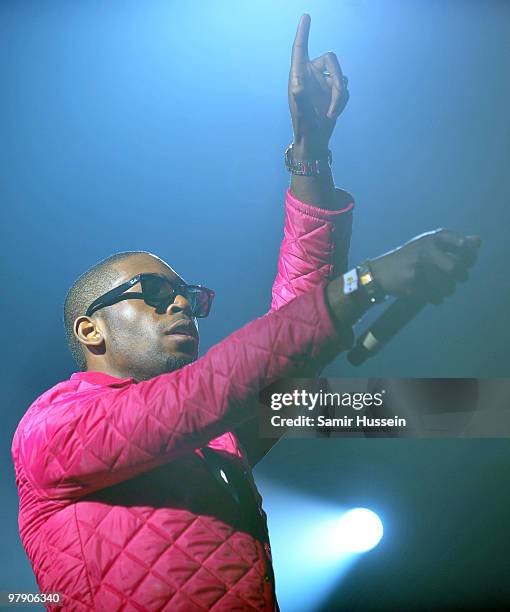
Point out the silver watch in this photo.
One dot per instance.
(306, 167)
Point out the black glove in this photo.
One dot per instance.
(428, 266)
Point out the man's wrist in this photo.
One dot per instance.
(347, 308)
(315, 189)
(305, 150)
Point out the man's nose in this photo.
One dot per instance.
(179, 303)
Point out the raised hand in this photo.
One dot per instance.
(317, 95)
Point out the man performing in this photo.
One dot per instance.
(134, 475)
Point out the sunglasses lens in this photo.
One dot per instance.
(156, 290)
(200, 300)
(159, 292)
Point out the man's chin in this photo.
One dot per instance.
(177, 361)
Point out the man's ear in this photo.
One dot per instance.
(88, 331)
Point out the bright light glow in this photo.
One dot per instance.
(307, 558)
(359, 530)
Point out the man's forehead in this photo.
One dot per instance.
(140, 263)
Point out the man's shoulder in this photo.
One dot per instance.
(68, 391)
(28, 420)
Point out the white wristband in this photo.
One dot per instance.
(350, 281)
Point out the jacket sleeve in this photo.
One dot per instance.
(82, 444)
(314, 249)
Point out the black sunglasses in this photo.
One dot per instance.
(157, 291)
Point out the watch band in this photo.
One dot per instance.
(306, 167)
(366, 279)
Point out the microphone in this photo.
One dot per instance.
(382, 330)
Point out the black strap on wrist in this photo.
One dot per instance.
(366, 280)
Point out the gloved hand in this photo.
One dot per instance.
(428, 266)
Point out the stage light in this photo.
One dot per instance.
(359, 530)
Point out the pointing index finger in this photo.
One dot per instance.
(300, 46)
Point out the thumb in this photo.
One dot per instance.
(475, 240)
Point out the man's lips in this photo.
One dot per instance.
(186, 328)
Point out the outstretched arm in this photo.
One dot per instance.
(318, 216)
(317, 93)
(86, 441)
(318, 219)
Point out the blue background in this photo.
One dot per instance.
(161, 126)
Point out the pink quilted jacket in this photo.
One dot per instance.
(118, 508)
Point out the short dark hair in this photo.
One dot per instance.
(89, 286)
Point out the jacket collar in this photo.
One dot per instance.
(102, 379)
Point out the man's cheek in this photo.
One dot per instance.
(127, 311)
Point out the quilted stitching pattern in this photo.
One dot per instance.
(314, 248)
(117, 510)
